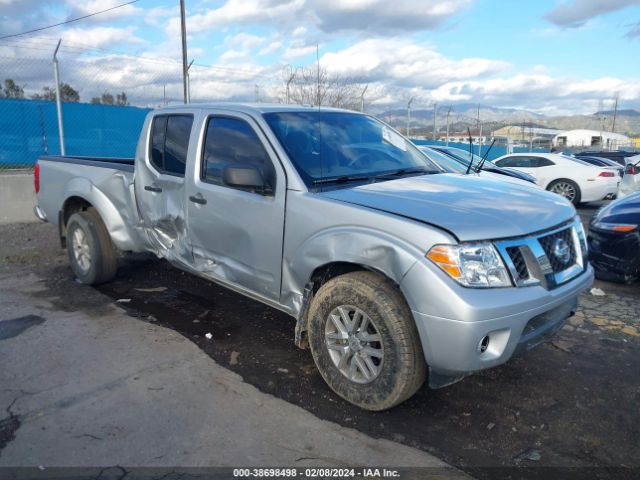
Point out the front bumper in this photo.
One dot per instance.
(513, 319)
(615, 256)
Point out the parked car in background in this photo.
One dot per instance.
(631, 181)
(454, 165)
(575, 180)
(614, 240)
(617, 156)
(465, 158)
(603, 162)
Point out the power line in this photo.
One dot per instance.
(68, 21)
(38, 44)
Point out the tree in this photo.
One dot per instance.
(107, 99)
(67, 94)
(307, 86)
(121, 99)
(12, 90)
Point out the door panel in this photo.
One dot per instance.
(237, 235)
(160, 186)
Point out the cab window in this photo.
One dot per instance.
(169, 143)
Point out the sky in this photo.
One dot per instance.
(546, 56)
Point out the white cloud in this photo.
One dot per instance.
(402, 62)
(577, 12)
(100, 37)
(87, 7)
(273, 47)
(244, 41)
(377, 17)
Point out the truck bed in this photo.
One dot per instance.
(104, 183)
(125, 164)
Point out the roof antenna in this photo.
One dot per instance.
(484, 157)
(470, 151)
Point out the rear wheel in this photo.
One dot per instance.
(567, 188)
(364, 341)
(92, 256)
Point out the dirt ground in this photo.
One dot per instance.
(572, 402)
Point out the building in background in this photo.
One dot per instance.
(526, 135)
(589, 139)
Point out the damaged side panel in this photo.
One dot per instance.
(160, 200)
(318, 235)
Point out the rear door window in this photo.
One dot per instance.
(169, 143)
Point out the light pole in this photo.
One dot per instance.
(362, 98)
(183, 29)
(56, 76)
(409, 116)
(189, 82)
(435, 113)
(448, 113)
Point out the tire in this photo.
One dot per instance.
(564, 184)
(401, 370)
(92, 256)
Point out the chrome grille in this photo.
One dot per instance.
(548, 244)
(518, 261)
(548, 259)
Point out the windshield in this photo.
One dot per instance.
(325, 145)
(465, 156)
(445, 161)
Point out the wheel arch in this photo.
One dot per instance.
(81, 194)
(341, 250)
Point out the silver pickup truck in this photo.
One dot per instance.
(395, 270)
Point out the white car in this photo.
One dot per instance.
(570, 177)
(631, 181)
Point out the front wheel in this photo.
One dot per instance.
(364, 341)
(92, 256)
(567, 188)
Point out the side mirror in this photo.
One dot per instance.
(245, 176)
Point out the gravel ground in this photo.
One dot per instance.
(572, 402)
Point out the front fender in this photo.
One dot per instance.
(369, 248)
(118, 219)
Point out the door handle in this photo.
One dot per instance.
(198, 199)
(151, 188)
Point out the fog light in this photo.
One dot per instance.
(484, 344)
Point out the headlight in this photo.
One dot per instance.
(582, 235)
(471, 264)
(614, 227)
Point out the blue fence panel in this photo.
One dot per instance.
(496, 151)
(29, 128)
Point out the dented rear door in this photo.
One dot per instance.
(160, 184)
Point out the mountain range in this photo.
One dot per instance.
(465, 115)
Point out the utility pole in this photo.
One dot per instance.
(189, 82)
(185, 68)
(409, 116)
(448, 113)
(257, 93)
(479, 133)
(362, 98)
(615, 114)
(601, 112)
(292, 75)
(435, 113)
(56, 76)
